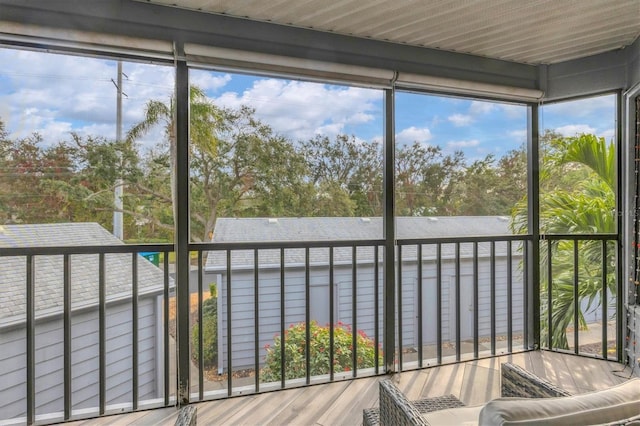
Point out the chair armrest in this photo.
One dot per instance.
(518, 382)
(395, 409)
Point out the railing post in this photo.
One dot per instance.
(389, 233)
(31, 340)
(181, 209)
(533, 227)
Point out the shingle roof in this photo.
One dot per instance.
(349, 228)
(49, 270)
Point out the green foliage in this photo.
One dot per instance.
(492, 187)
(30, 174)
(205, 121)
(239, 167)
(209, 332)
(427, 180)
(295, 346)
(589, 289)
(347, 176)
(577, 197)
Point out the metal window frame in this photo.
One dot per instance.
(183, 245)
(621, 197)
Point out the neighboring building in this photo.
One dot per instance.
(331, 229)
(49, 337)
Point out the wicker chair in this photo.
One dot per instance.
(395, 409)
(518, 382)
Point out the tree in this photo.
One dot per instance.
(203, 121)
(578, 198)
(426, 180)
(98, 165)
(26, 172)
(490, 187)
(232, 167)
(346, 174)
(253, 173)
(69, 181)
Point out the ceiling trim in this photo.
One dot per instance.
(139, 20)
(596, 74)
(90, 43)
(261, 63)
(144, 20)
(449, 85)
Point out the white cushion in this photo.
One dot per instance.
(463, 416)
(616, 403)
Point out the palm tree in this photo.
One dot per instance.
(577, 196)
(205, 119)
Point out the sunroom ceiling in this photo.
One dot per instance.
(531, 31)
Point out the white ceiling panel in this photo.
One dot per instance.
(527, 31)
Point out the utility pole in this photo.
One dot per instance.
(117, 213)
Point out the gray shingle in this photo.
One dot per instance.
(349, 228)
(49, 269)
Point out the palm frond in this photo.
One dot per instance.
(595, 153)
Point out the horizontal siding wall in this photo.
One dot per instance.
(49, 386)
(448, 297)
(243, 308)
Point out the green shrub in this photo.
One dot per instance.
(294, 344)
(209, 332)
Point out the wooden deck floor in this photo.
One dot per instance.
(341, 403)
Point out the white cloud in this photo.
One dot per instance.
(519, 135)
(302, 110)
(56, 94)
(329, 129)
(514, 111)
(460, 120)
(49, 130)
(463, 144)
(575, 129)
(600, 105)
(480, 107)
(413, 134)
(209, 81)
(608, 134)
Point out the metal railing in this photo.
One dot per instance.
(67, 311)
(464, 267)
(456, 299)
(276, 286)
(580, 291)
(363, 288)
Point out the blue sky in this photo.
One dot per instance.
(57, 94)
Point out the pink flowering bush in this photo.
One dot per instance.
(294, 351)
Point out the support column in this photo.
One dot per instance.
(181, 209)
(389, 234)
(533, 226)
(621, 322)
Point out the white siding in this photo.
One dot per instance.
(84, 359)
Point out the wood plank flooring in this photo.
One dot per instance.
(341, 403)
